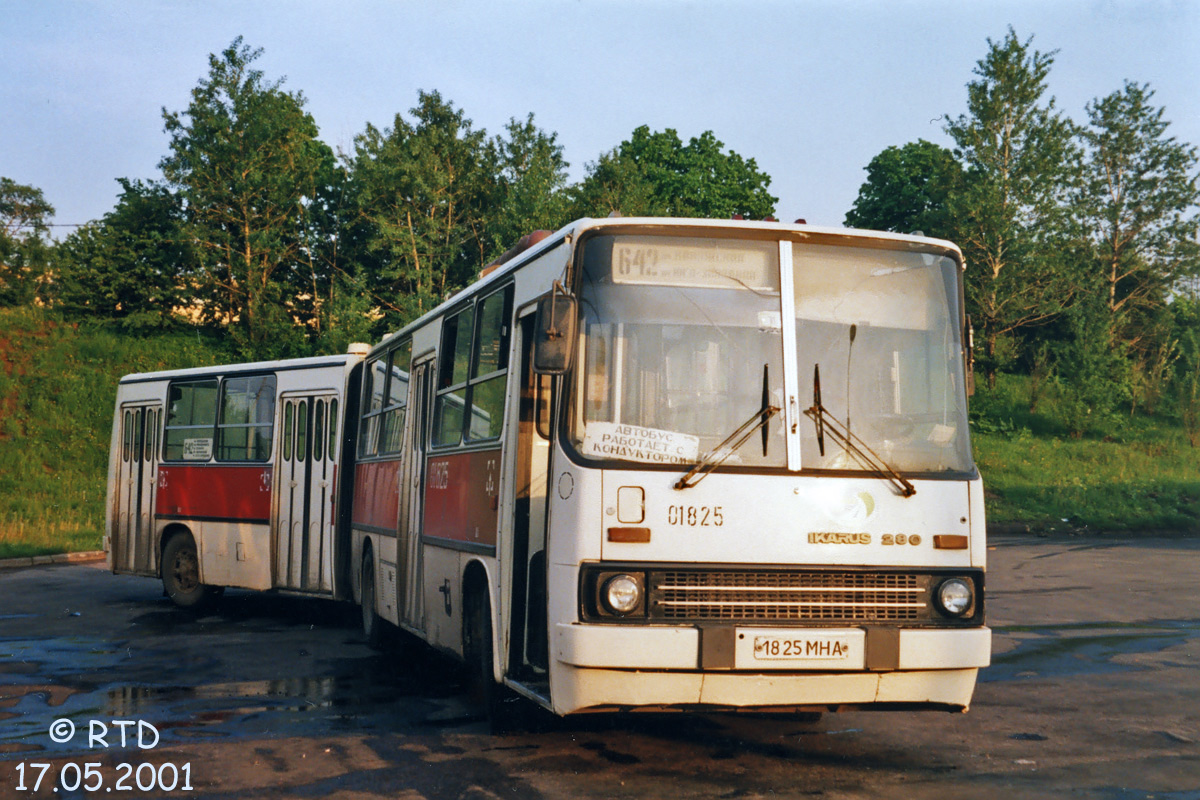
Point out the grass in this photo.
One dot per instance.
(58, 384)
(1134, 473)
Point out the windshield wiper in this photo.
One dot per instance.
(733, 441)
(825, 422)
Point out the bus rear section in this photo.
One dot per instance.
(230, 477)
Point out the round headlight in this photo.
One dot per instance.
(955, 597)
(622, 594)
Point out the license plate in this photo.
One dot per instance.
(768, 648)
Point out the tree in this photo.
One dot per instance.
(133, 265)
(1093, 378)
(1139, 203)
(655, 174)
(247, 164)
(907, 189)
(1186, 311)
(1011, 216)
(24, 221)
(424, 189)
(531, 181)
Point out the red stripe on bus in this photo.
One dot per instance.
(241, 492)
(376, 496)
(461, 497)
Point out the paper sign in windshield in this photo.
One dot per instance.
(634, 443)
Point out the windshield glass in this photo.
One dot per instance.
(883, 327)
(677, 335)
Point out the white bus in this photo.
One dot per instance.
(641, 464)
(229, 476)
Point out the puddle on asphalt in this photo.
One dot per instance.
(363, 694)
(186, 688)
(1083, 648)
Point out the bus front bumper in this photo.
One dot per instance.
(610, 667)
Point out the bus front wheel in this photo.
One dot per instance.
(506, 712)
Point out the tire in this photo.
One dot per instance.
(181, 574)
(372, 625)
(506, 711)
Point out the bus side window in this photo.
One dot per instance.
(490, 366)
(543, 399)
(453, 362)
(333, 426)
(396, 397)
(137, 434)
(151, 434)
(318, 430)
(287, 431)
(191, 420)
(247, 421)
(374, 377)
(302, 431)
(127, 436)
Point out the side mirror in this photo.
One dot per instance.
(554, 332)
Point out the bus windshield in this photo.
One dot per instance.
(682, 341)
(883, 327)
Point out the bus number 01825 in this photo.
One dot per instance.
(696, 516)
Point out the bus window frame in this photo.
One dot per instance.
(222, 425)
(217, 424)
(473, 307)
(210, 427)
(398, 408)
(368, 445)
(504, 347)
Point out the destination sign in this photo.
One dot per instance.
(701, 264)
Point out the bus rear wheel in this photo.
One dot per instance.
(371, 623)
(181, 574)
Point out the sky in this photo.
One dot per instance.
(810, 89)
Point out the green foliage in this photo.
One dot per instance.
(1092, 375)
(1139, 202)
(423, 187)
(655, 174)
(1051, 216)
(248, 166)
(531, 176)
(58, 383)
(346, 316)
(131, 266)
(1187, 367)
(24, 253)
(908, 189)
(1140, 477)
(1010, 217)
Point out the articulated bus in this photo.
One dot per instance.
(640, 464)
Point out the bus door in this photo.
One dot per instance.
(528, 632)
(134, 551)
(410, 598)
(307, 484)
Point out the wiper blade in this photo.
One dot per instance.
(725, 449)
(852, 444)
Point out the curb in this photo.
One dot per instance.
(57, 558)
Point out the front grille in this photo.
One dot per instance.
(793, 595)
